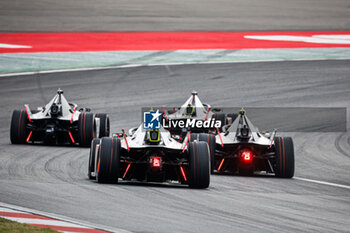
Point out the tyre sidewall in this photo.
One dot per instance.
(199, 165)
(109, 159)
(91, 168)
(284, 150)
(18, 131)
(87, 128)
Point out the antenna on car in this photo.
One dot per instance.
(59, 92)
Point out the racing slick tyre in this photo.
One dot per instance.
(18, 132)
(210, 139)
(94, 143)
(284, 166)
(108, 161)
(199, 170)
(104, 124)
(222, 118)
(86, 129)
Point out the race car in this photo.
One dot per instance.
(149, 156)
(244, 150)
(193, 108)
(59, 122)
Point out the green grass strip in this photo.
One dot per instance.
(7, 226)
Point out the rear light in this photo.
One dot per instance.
(247, 156)
(156, 162)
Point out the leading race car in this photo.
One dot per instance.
(193, 108)
(59, 122)
(243, 149)
(149, 156)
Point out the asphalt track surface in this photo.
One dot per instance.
(54, 179)
(169, 15)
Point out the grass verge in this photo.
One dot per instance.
(7, 226)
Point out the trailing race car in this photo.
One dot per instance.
(243, 149)
(149, 156)
(59, 122)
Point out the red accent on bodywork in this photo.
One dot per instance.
(206, 115)
(188, 138)
(126, 140)
(166, 118)
(183, 173)
(71, 119)
(30, 134)
(222, 143)
(71, 137)
(30, 120)
(126, 170)
(221, 163)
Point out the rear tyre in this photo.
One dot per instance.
(210, 139)
(86, 128)
(92, 159)
(104, 124)
(199, 170)
(108, 161)
(222, 118)
(18, 132)
(284, 166)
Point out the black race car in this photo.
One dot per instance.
(59, 122)
(149, 156)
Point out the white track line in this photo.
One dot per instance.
(45, 222)
(157, 64)
(8, 210)
(14, 46)
(323, 182)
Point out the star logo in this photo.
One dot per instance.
(155, 115)
(151, 119)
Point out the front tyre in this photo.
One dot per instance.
(108, 163)
(18, 132)
(199, 165)
(284, 149)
